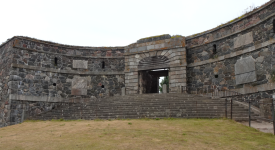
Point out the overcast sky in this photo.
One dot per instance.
(113, 22)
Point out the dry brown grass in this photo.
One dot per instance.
(134, 134)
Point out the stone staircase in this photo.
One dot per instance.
(146, 105)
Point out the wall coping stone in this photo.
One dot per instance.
(141, 52)
(156, 45)
(64, 45)
(35, 98)
(233, 54)
(247, 89)
(228, 24)
(58, 54)
(47, 99)
(68, 71)
(234, 32)
(169, 66)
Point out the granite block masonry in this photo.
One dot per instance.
(38, 76)
(245, 70)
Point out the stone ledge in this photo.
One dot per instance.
(215, 29)
(64, 45)
(46, 99)
(67, 71)
(133, 53)
(36, 98)
(234, 54)
(58, 54)
(254, 89)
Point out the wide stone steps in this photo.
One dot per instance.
(178, 108)
(147, 105)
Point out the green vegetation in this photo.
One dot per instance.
(247, 11)
(272, 75)
(164, 81)
(175, 36)
(168, 133)
(154, 36)
(215, 56)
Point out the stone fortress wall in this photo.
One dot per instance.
(5, 63)
(235, 56)
(37, 76)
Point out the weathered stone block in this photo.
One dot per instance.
(79, 85)
(243, 40)
(143, 48)
(133, 50)
(123, 91)
(246, 78)
(79, 91)
(164, 88)
(13, 84)
(149, 47)
(245, 65)
(159, 46)
(82, 64)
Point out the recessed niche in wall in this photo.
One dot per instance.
(103, 64)
(54, 84)
(102, 86)
(214, 49)
(216, 76)
(274, 26)
(55, 61)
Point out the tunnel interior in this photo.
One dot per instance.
(149, 80)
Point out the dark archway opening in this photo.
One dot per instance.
(149, 80)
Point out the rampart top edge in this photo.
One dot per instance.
(57, 44)
(230, 23)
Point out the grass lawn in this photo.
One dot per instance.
(134, 134)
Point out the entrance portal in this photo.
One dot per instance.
(151, 54)
(149, 80)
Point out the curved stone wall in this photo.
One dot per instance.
(37, 76)
(45, 69)
(212, 56)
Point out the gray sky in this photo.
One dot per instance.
(114, 22)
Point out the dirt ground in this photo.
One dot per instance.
(261, 126)
(134, 134)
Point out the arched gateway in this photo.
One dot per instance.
(146, 61)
